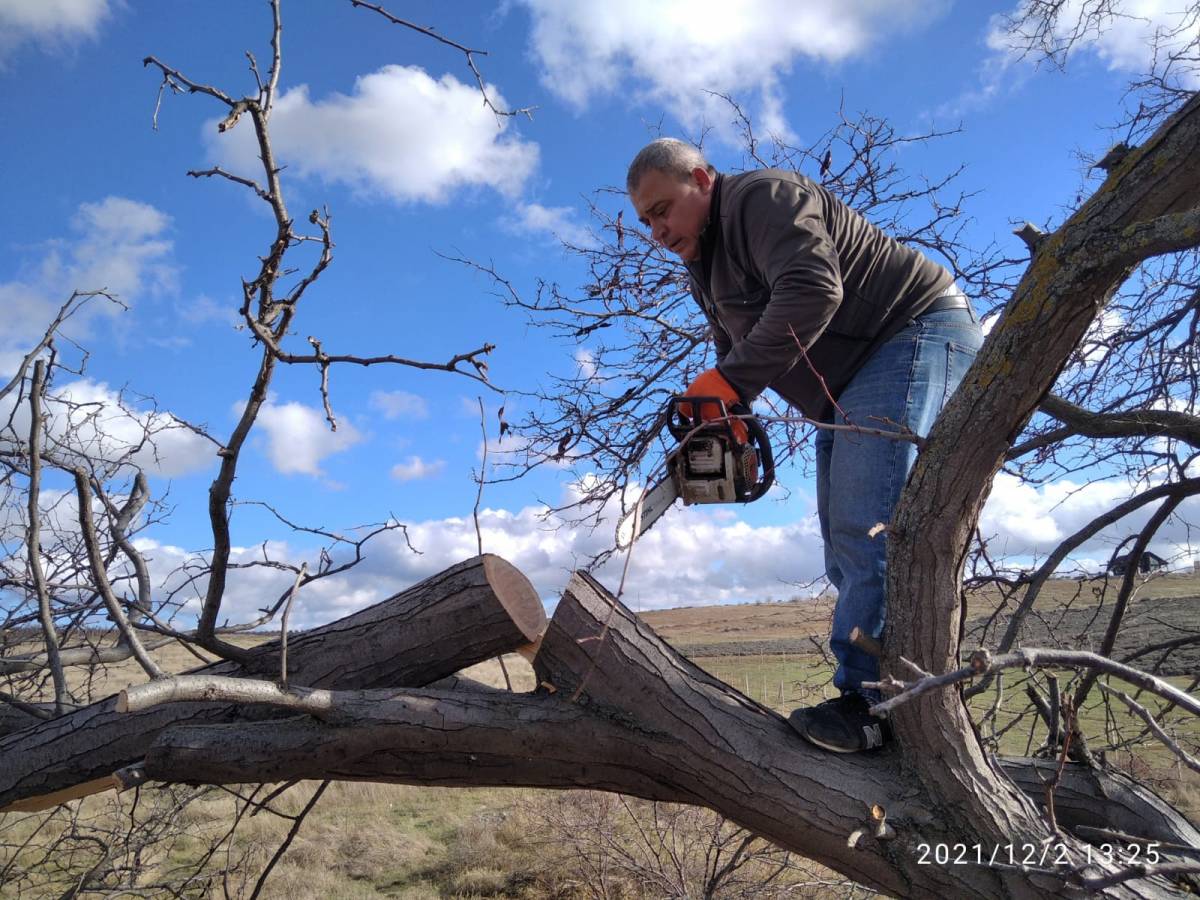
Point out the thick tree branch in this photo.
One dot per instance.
(87, 529)
(1132, 423)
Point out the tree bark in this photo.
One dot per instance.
(619, 710)
(471, 612)
(1073, 274)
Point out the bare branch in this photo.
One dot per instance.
(87, 529)
(74, 303)
(33, 542)
(287, 611)
(218, 172)
(984, 663)
(1144, 714)
(1136, 422)
(297, 823)
(526, 111)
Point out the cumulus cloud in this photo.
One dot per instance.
(752, 564)
(692, 556)
(400, 134)
(586, 362)
(416, 468)
(120, 245)
(557, 222)
(50, 23)
(87, 418)
(398, 405)
(298, 438)
(1124, 42)
(1027, 522)
(672, 51)
(116, 244)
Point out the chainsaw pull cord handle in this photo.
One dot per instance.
(766, 456)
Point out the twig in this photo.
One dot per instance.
(504, 669)
(1052, 784)
(1146, 716)
(323, 362)
(74, 303)
(482, 474)
(526, 111)
(983, 663)
(287, 611)
(287, 841)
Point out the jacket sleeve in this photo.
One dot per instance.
(776, 229)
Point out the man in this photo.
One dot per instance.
(808, 298)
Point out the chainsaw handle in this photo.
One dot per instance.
(681, 425)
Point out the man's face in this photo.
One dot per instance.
(675, 211)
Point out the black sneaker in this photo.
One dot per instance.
(841, 725)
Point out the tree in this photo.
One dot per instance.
(618, 709)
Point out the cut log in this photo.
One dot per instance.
(1093, 799)
(645, 722)
(469, 613)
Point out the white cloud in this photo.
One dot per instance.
(399, 405)
(203, 309)
(1124, 42)
(86, 417)
(298, 437)
(116, 244)
(556, 221)
(416, 468)
(753, 563)
(400, 135)
(586, 362)
(692, 556)
(48, 22)
(1028, 521)
(671, 51)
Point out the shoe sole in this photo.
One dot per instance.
(830, 747)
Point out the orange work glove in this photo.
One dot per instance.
(711, 383)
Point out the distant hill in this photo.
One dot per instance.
(1067, 615)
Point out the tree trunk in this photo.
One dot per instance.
(1146, 206)
(471, 612)
(645, 721)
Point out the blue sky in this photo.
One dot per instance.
(385, 127)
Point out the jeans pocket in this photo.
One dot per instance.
(959, 356)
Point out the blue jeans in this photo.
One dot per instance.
(859, 477)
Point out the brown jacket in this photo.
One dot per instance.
(786, 266)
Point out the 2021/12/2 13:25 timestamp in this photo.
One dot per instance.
(1041, 855)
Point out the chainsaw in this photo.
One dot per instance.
(709, 464)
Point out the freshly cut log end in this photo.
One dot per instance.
(517, 595)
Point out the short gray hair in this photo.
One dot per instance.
(668, 155)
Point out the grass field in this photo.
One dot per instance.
(372, 840)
